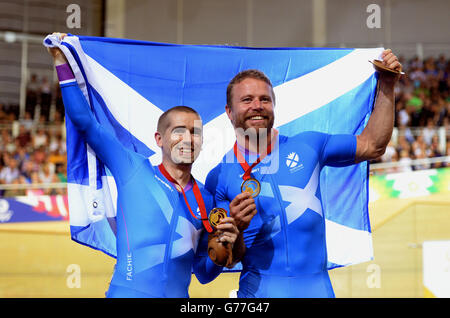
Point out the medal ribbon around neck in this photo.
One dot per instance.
(198, 198)
(250, 184)
(247, 168)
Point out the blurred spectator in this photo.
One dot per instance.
(421, 165)
(33, 94)
(27, 170)
(419, 147)
(405, 161)
(61, 172)
(10, 172)
(56, 142)
(389, 153)
(435, 152)
(39, 156)
(56, 157)
(3, 114)
(47, 175)
(58, 117)
(35, 180)
(403, 116)
(58, 99)
(444, 113)
(21, 156)
(40, 138)
(415, 63)
(394, 158)
(24, 137)
(429, 131)
(46, 97)
(3, 137)
(403, 144)
(441, 63)
(27, 121)
(430, 67)
(8, 143)
(406, 132)
(61, 176)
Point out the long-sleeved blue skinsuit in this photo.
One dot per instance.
(159, 243)
(285, 242)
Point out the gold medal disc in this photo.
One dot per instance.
(216, 215)
(251, 185)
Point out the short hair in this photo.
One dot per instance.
(163, 119)
(251, 73)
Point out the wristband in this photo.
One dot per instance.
(65, 74)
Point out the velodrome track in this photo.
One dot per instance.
(37, 257)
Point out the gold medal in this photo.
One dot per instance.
(380, 67)
(251, 185)
(216, 215)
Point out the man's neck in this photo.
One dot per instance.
(181, 173)
(259, 143)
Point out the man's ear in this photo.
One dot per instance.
(228, 111)
(158, 139)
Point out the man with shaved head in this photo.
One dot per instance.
(162, 224)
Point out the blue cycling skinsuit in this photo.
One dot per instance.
(286, 252)
(159, 243)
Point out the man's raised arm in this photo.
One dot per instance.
(372, 142)
(115, 156)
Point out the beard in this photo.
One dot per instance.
(254, 134)
(256, 128)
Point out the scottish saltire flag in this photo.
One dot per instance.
(130, 83)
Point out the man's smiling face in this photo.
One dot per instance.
(252, 105)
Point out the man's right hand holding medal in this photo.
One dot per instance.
(242, 210)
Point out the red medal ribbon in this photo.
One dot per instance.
(247, 168)
(198, 198)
